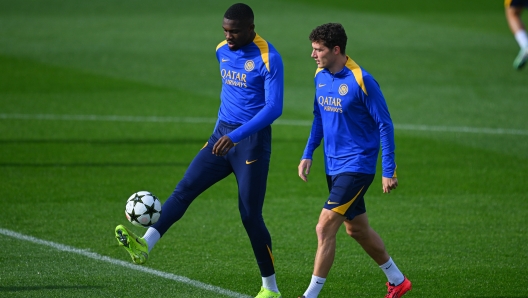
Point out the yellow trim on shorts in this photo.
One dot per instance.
(343, 208)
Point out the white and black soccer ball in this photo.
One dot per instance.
(143, 209)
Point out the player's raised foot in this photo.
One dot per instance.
(521, 59)
(135, 246)
(265, 293)
(399, 290)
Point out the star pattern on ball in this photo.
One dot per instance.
(150, 209)
(133, 215)
(143, 209)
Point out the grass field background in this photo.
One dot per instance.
(99, 99)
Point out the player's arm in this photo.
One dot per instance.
(314, 140)
(274, 95)
(379, 111)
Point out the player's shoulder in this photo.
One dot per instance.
(358, 70)
(221, 45)
(361, 76)
(318, 71)
(265, 46)
(265, 52)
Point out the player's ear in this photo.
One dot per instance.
(337, 50)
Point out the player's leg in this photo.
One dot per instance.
(513, 10)
(252, 187)
(326, 230)
(359, 229)
(513, 16)
(250, 162)
(345, 201)
(205, 170)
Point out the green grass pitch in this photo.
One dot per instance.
(100, 99)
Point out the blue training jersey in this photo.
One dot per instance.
(351, 114)
(252, 86)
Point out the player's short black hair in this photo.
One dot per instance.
(239, 12)
(330, 35)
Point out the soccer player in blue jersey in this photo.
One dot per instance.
(351, 114)
(251, 99)
(513, 9)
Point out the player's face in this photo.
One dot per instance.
(238, 33)
(324, 56)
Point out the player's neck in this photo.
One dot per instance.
(250, 39)
(339, 64)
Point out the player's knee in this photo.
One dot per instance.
(250, 221)
(514, 12)
(357, 233)
(182, 194)
(323, 230)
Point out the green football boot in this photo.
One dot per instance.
(521, 59)
(135, 246)
(265, 293)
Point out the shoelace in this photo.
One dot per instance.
(391, 288)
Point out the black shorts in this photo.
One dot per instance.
(347, 192)
(516, 3)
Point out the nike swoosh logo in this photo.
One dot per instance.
(332, 203)
(250, 162)
(225, 60)
(322, 85)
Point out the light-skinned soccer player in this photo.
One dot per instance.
(351, 115)
(513, 10)
(251, 99)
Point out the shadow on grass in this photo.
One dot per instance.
(199, 141)
(93, 165)
(40, 288)
(186, 141)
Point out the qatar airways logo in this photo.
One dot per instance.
(330, 104)
(233, 78)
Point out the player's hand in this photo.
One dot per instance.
(222, 146)
(389, 184)
(304, 169)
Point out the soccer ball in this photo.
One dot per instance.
(143, 209)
